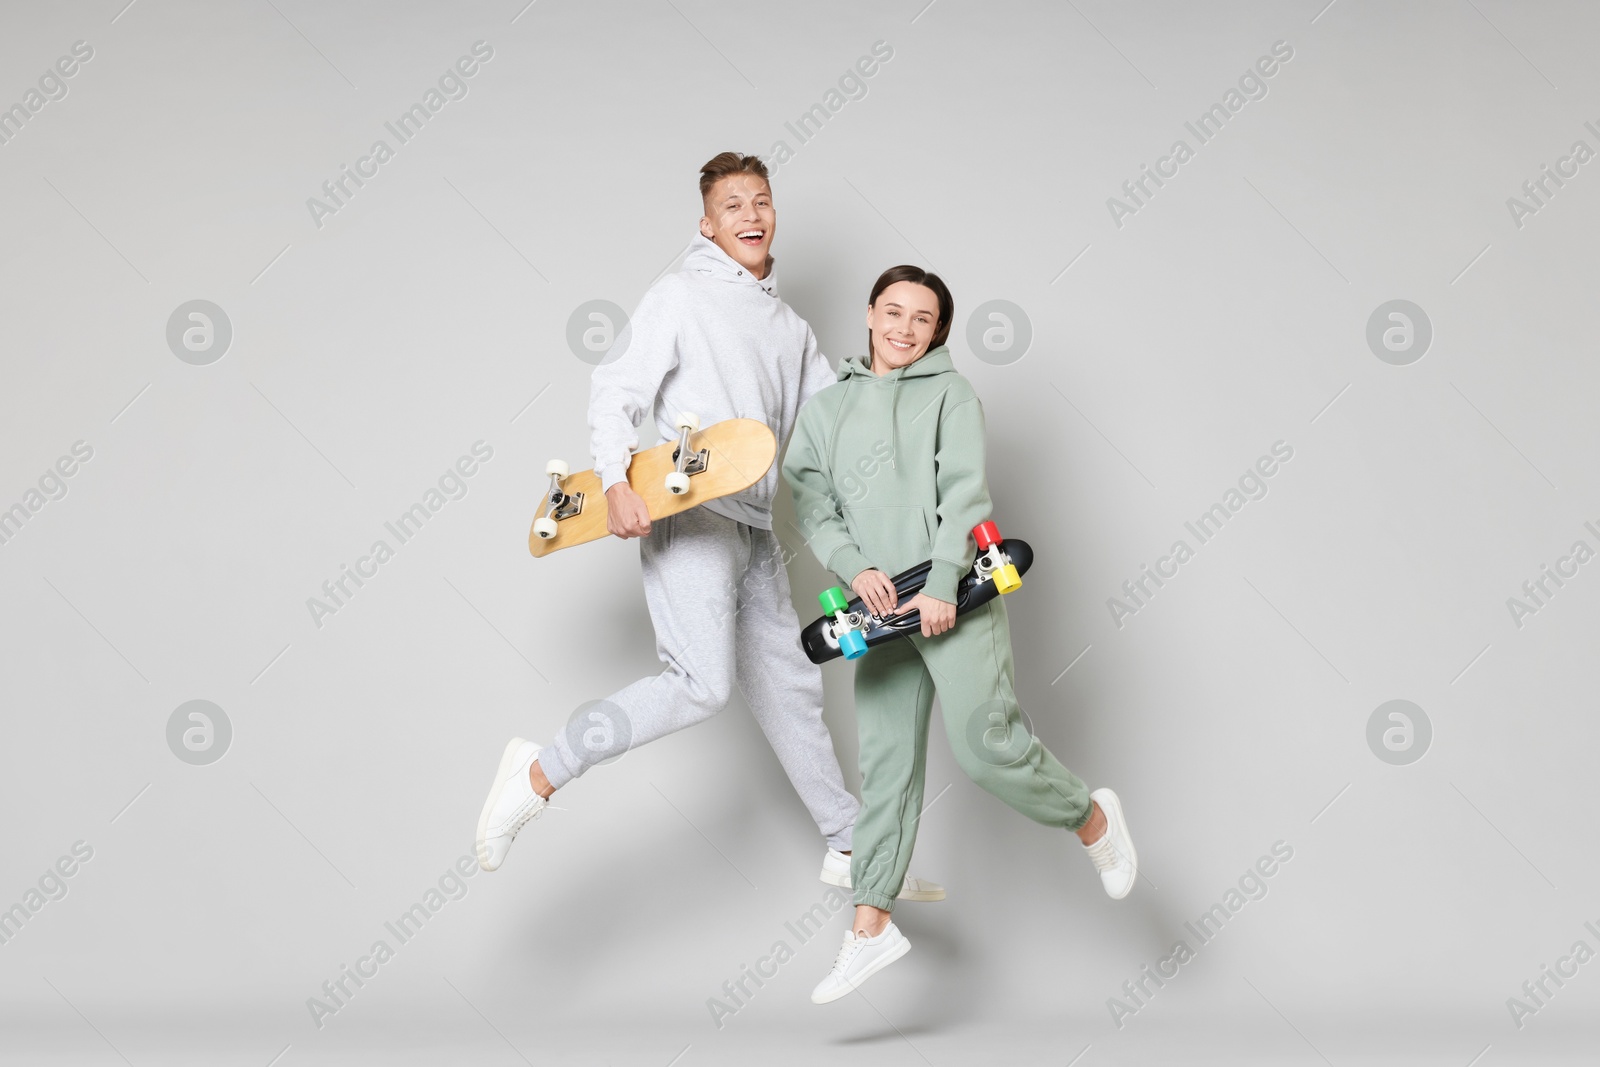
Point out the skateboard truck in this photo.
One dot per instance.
(684, 461)
(845, 630)
(993, 562)
(558, 503)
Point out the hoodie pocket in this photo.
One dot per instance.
(892, 537)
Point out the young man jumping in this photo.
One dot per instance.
(713, 338)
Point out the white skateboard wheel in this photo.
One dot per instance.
(677, 483)
(556, 468)
(545, 527)
(688, 420)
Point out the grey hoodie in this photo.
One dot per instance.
(711, 339)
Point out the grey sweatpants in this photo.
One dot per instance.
(719, 597)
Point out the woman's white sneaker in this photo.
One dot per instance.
(511, 803)
(859, 959)
(836, 871)
(1114, 855)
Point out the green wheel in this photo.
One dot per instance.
(833, 600)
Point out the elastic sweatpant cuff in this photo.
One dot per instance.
(554, 767)
(874, 899)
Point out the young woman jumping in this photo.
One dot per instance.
(907, 401)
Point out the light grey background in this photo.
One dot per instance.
(1168, 354)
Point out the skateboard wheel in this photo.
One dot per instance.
(687, 420)
(832, 600)
(556, 468)
(545, 527)
(986, 534)
(677, 483)
(853, 645)
(1006, 578)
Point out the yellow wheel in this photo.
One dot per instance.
(1006, 578)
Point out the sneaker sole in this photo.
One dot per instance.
(501, 773)
(920, 896)
(1119, 822)
(840, 880)
(873, 968)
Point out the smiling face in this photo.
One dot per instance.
(740, 219)
(901, 324)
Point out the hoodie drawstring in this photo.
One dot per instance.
(894, 424)
(852, 368)
(894, 419)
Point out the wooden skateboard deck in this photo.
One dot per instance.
(973, 591)
(737, 455)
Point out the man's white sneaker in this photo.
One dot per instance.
(511, 803)
(1114, 855)
(836, 871)
(859, 959)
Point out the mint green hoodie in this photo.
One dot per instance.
(889, 471)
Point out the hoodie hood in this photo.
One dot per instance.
(934, 362)
(706, 259)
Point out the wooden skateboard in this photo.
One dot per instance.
(674, 476)
(848, 628)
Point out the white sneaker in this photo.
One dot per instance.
(859, 959)
(836, 871)
(511, 803)
(1114, 855)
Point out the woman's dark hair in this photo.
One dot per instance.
(917, 276)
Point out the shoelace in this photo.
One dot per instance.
(531, 808)
(1103, 853)
(847, 952)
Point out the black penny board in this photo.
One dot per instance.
(971, 592)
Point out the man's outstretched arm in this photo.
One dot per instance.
(622, 394)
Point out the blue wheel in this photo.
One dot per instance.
(853, 645)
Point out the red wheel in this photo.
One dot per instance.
(986, 534)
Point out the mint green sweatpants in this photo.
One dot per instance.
(970, 668)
